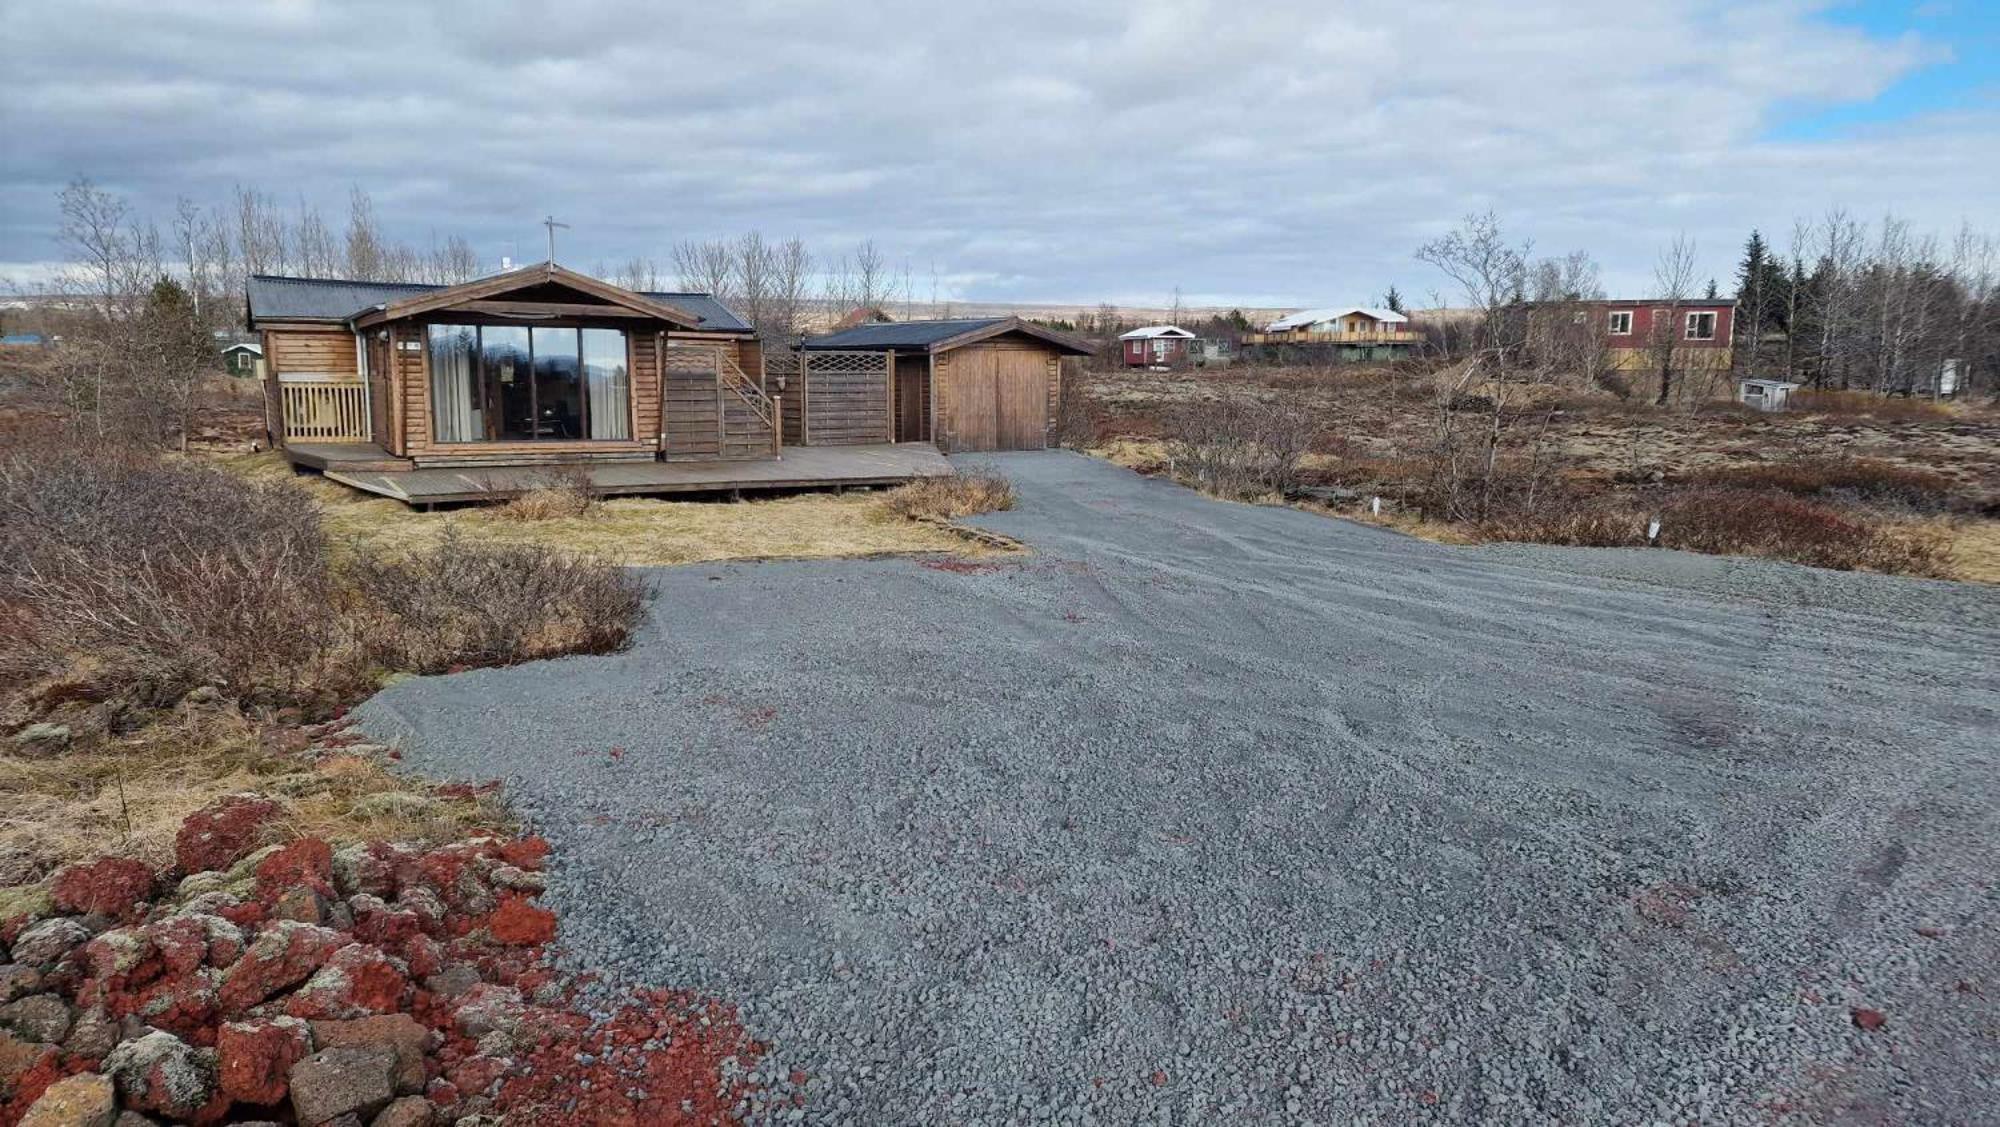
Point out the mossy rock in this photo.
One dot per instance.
(26, 901)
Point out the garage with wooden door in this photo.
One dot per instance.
(988, 383)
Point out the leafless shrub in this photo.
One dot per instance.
(132, 581)
(961, 494)
(559, 492)
(1727, 521)
(1078, 417)
(1243, 446)
(478, 604)
(1868, 405)
(1847, 479)
(175, 575)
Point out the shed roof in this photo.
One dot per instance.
(1785, 384)
(1151, 331)
(276, 298)
(935, 336)
(1306, 317)
(244, 346)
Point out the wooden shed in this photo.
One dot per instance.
(970, 384)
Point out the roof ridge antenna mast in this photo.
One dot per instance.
(551, 224)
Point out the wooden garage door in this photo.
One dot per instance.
(1000, 398)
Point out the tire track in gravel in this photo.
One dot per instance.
(1302, 820)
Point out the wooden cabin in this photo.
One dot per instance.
(969, 384)
(536, 365)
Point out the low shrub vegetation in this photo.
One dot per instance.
(963, 493)
(1243, 447)
(1848, 479)
(130, 583)
(1722, 520)
(562, 493)
(1869, 405)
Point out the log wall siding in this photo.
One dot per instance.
(328, 353)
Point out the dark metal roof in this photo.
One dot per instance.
(901, 334)
(334, 299)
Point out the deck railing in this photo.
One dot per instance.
(326, 410)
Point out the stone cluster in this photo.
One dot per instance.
(375, 984)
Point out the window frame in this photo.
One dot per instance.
(488, 395)
(1611, 323)
(1714, 324)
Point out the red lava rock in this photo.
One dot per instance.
(254, 1057)
(518, 922)
(283, 955)
(399, 1033)
(1931, 932)
(1159, 1079)
(247, 914)
(681, 1082)
(1870, 1020)
(26, 1071)
(307, 863)
(358, 980)
(163, 1074)
(223, 832)
(111, 886)
(477, 1074)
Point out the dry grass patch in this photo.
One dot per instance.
(963, 493)
(129, 795)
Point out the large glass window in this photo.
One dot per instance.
(609, 382)
(558, 385)
(509, 383)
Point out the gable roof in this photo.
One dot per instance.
(1151, 331)
(1306, 317)
(243, 346)
(940, 336)
(339, 300)
(499, 285)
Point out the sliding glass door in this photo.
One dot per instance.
(513, 383)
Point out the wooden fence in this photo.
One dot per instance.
(326, 410)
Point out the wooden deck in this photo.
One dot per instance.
(802, 467)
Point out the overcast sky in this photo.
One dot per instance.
(1261, 153)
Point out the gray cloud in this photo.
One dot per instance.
(1286, 152)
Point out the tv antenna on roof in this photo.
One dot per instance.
(551, 224)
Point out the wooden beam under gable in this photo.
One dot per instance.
(1063, 341)
(452, 297)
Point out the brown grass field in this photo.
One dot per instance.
(1910, 468)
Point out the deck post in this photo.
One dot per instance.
(778, 427)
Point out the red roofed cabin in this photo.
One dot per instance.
(1155, 346)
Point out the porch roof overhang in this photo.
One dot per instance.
(486, 295)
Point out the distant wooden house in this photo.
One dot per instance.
(244, 360)
(968, 384)
(1156, 346)
(1348, 332)
(862, 315)
(1636, 333)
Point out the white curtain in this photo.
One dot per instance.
(454, 380)
(609, 384)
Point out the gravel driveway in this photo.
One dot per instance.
(1206, 810)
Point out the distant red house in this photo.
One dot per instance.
(1700, 331)
(1155, 346)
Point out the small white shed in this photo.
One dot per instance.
(1765, 395)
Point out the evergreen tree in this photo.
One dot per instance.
(1761, 291)
(1393, 299)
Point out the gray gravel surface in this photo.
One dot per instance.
(1208, 811)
